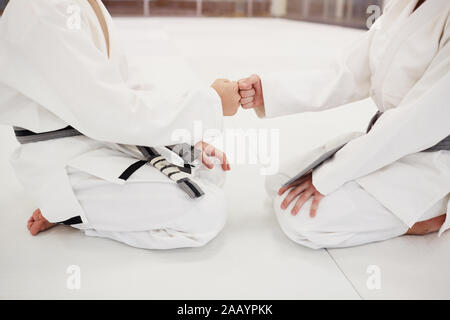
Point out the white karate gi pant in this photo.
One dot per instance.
(151, 215)
(348, 217)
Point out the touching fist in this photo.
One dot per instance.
(229, 94)
(250, 90)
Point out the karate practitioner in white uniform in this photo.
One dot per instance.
(380, 185)
(61, 66)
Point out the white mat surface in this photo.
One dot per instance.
(251, 258)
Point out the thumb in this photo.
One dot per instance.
(244, 84)
(247, 83)
(254, 78)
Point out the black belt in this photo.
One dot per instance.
(441, 145)
(187, 152)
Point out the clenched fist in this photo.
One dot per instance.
(250, 90)
(229, 94)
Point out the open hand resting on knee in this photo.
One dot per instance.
(300, 191)
(229, 94)
(209, 151)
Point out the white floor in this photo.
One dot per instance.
(251, 258)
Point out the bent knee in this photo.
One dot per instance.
(206, 218)
(300, 228)
(325, 230)
(212, 216)
(285, 218)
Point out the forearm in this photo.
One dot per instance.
(399, 132)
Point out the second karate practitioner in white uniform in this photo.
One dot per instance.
(62, 68)
(382, 184)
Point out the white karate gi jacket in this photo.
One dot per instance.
(403, 63)
(55, 72)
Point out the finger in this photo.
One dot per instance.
(254, 78)
(315, 204)
(247, 93)
(30, 223)
(294, 184)
(246, 100)
(247, 83)
(219, 154)
(36, 227)
(210, 150)
(291, 196)
(207, 161)
(237, 99)
(36, 214)
(248, 105)
(282, 190)
(207, 148)
(301, 200)
(225, 163)
(226, 166)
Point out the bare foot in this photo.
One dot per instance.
(427, 226)
(38, 223)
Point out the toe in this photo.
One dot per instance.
(36, 227)
(36, 214)
(38, 223)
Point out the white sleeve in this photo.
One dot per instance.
(419, 122)
(345, 81)
(61, 69)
